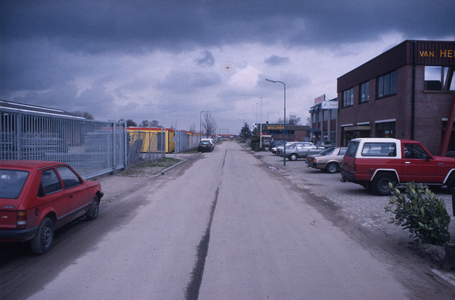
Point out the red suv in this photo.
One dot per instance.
(37, 197)
(374, 162)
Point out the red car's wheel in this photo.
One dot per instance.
(94, 210)
(42, 241)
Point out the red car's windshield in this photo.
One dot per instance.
(11, 183)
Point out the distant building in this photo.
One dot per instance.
(275, 132)
(324, 120)
(407, 92)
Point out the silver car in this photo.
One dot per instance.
(301, 150)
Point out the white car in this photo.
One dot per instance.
(209, 140)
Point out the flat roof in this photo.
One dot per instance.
(16, 106)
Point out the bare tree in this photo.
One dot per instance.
(308, 121)
(209, 124)
(193, 128)
(155, 123)
(131, 123)
(291, 120)
(85, 114)
(144, 123)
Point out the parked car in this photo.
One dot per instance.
(324, 145)
(301, 150)
(280, 149)
(274, 144)
(38, 197)
(205, 146)
(210, 140)
(376, 162)
(329, 160)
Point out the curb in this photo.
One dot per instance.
(167, 169)
(162, 172)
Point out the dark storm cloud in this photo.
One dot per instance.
(111, 56)
(180, 81)
(207, 60)
(142, 26)
(275, 60)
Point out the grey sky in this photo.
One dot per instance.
(169, 60)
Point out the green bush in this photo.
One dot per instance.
(425, 216)
(255, 144)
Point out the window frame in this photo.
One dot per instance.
(364, 92)
(386, 85)
(348, 97)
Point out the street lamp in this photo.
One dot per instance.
(200, 127)
(260, 128)
(284, 144)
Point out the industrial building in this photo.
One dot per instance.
(406, 92)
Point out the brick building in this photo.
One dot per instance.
(275, 132)
(406, 93)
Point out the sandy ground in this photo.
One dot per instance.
(125, 181)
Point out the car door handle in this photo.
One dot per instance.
(71, 196)
(407, 162)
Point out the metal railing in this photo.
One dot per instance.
(185, 141)
(145, 145)
(92, 148)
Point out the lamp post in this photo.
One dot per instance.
(260, 128)
(284, 144)
(200, 122)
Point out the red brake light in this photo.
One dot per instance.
(21, 221)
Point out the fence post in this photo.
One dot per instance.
(19, 135)
(125, 135)
(114, 166)
(162, 142)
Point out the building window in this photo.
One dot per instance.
(325, 115)
(364, 92)
(386, 129)
(348, 97)
(387, 84)
(333, 113)
(439, 78)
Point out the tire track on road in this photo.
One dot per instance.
(192, 290)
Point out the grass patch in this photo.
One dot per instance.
(163, 162)
(151, 168)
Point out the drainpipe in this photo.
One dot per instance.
(413, 90)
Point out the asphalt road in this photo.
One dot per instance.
(219, 226)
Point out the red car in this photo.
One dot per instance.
(37, 197)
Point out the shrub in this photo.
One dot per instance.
(425, 216)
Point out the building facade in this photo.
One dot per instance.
(324, 120)
(275, 132)
(406, 93)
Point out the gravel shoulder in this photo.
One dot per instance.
(123, 182)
